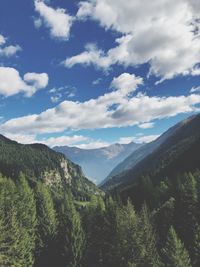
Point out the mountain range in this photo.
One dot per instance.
(174, 152)
(98, 163)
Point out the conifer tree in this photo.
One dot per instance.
(47, 225)
(71, 235)
(196, 248)
(148, 255)
(174, 252)
(27, 218)
(12, 249)
(187, 210)
(94, 225)
(127, 236)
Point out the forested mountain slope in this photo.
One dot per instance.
(178, 151)
(39, 162)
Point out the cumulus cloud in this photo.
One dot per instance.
(164, 34)
(57, 20)
(8, 51)
(11, 82)
(38, 80)
(63, 140)
(126, 82)
(146, 125)
(117, 108)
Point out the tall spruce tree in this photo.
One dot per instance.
(127, 236)
(174, 252)
(94, 225)
(47, 226)
(71, 235)
(12, 246)
(27, 217)
(148, 255)
(186, 210)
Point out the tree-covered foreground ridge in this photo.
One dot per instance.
(51, 215)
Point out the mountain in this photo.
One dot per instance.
(97, 163)
(39, 162)
(176, 151)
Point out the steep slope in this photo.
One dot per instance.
(37, 161)
(97, 163)
(139, 154)
(176, 151)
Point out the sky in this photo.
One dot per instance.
(96, 72)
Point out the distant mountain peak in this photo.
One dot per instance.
(98, 162)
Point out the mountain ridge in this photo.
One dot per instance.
(92, 160)
(39, 162)
(171, 145)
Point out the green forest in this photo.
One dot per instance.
(160, 226)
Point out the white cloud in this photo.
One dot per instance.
(195, 89)
(11, 83)
(38, 80)
(51, 142)
(146, 125)
(126, 82)
(97, 81)
(64, 140)
(113, 109)
(22, 138)
(57, 20)
(145, 138)
(2, 40)
(126, 140)
(138, 139)
(56, 98)
(163, 33)
(37, 23)
(8, 51)
(94, 144)
(63, 91)
(100, 59)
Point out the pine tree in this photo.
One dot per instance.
(164, 218)
(196, 250)
(27, 218)
(94, 226)
(47, 225)
(148, 255)
(187, 210)
(174, 252)
(127, 236)
(71, 235)
(12, 249)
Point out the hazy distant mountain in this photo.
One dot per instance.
(97, 163)
(176, 151)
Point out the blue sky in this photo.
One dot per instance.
(91, 73)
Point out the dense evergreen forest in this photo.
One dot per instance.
(44, 227)
(52, 215)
